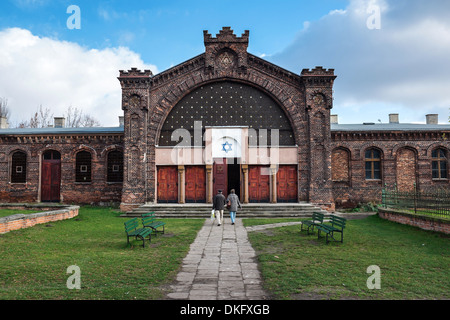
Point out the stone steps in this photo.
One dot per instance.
(251, 210)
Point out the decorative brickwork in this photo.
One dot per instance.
(305, 99)
(406, 159)
(336, 166)
(68, 145)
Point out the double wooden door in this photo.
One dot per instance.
(195, 186)
(258, 184)
(287, 183)
(167, 184)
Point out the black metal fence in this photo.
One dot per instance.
(430, 202)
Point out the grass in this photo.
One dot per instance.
(9, 212)
(34, 261)
(414, 263)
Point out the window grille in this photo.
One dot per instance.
(83, 167)
(115, 166)
(19, 167)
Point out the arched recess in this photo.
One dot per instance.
(340, 164)
(406, 168)
(227, 103)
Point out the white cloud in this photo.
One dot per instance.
(58, 74)
(404, 65)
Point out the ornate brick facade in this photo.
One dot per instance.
(325, 163)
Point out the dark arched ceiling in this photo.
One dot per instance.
(228, 103)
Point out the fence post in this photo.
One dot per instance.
(415, 198)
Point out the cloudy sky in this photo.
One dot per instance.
(390, 56)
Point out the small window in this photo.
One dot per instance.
(115, 166)
(439, 164)
(51, 155)
(83, 167)
(373, 164)
(19, 167)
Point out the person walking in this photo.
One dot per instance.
(234, 204)
(218, 205)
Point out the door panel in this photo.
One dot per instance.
(220, 175)
(195, 187)
(167, 184)
(287, 184)
(258, 184)
(51, 181)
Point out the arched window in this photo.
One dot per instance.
(19, 167)
(373, 164)
(439, 164)
(115, 166)
(83, 167)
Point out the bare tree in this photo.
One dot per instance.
(4, 108)
(42, 118)
(75, 119)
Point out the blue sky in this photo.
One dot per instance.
(401, 66)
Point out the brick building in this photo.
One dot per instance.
(221, 120)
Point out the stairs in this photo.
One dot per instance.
(250, 210)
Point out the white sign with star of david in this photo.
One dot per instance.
(226, 143)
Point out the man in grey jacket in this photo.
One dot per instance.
(218, 205)
(234, 204)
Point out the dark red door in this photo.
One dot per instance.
(287, 184)
(258, 184)
(195, 186)
(51, 177)
(167, 184)
(220, 175)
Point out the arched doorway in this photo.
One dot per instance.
(51, 176)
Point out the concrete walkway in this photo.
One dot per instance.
(221, 264)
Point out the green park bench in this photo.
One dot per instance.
(337, 225)
(132, 230)
(317, 218)
(149, 221)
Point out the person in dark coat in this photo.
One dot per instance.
(234, 204)
(218, 206)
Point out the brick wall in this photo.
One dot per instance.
(405, 160)
(20, 221)
(94, 192)
(423, 222)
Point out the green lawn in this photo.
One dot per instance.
(9, 212)
(34, 261)
(414, 264)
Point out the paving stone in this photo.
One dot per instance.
(221, 264)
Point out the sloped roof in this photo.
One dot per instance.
(390, 127)
(49, 131)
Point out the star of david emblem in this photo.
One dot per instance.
(226, 147)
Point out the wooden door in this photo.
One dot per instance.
(287, 184)
(220, 176)
(195, 186)
(51, 177)
(167, 184)
(258, 184)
